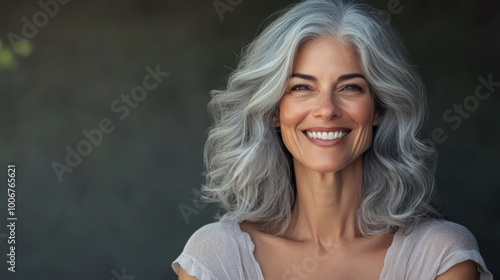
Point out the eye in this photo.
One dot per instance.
(300, 87)
(352, 87)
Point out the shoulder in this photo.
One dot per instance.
(217, 234)
(216, 251)
(443, 234)
(433, 240)
(433, 246)
(440, 241)
(218, 240)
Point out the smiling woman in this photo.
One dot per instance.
(316, 159)
(328, 112)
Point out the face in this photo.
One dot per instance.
(327, 113)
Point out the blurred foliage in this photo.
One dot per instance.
(119, 208)
(7, 59)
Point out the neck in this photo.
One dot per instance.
(326, 204)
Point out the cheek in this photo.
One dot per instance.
(363, 112)
(290, 113)
(364, 116)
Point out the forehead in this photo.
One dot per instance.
(327, 52)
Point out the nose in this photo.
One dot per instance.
(326, 107)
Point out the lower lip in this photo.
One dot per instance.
(325, 143)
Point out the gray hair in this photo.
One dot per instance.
(248, 169)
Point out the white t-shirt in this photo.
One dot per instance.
(222, 251)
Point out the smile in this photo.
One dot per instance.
(326, 135)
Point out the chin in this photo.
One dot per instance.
(325, 167)
(327, 170)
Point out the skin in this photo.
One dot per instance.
(327, 91)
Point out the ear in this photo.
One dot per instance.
(276, 121)
(376, 119)
(276, 118)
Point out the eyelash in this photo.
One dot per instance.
(357, 87)
(345, 87)
(296, 87)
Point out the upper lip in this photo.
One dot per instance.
(326, 129)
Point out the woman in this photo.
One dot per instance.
(315, 158)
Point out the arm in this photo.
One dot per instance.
(184, 276)
(466, 270)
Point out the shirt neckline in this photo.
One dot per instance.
(251, 246)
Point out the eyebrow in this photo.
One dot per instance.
(339, 79)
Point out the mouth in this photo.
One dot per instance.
(323, 135)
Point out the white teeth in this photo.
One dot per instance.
(327, 135)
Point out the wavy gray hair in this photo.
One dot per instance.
(249, 171)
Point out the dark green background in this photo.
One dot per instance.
(120, 207)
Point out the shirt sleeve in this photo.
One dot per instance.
(217, 252)
(193, 267)
(457, 245)
(430, 249)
